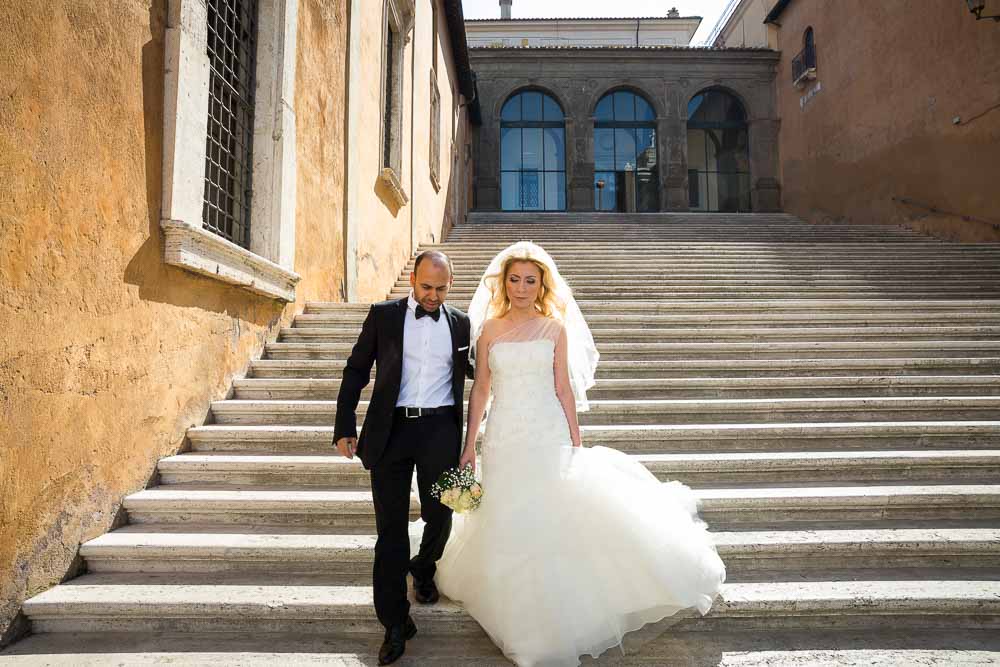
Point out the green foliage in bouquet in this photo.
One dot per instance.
(458, 489)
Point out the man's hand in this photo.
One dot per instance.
(346, 447)
(468, 458)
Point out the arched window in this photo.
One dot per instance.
(718, 154)
(532, 153)
(625, 172)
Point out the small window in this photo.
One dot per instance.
(392, 96)
(435, 139)
(434, 35)
(804, 64)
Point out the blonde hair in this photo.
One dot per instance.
(546, 303)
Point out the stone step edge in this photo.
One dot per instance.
(261, 500)
(144, 542)
(106, 600)
(680, 431)
(692, 462)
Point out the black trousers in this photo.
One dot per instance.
(431, 445)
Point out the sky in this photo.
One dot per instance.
(709, 10)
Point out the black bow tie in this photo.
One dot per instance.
(436, 313)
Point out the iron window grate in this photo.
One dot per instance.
(232, 55)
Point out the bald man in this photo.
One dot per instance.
(414, 421)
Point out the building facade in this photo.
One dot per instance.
(177, 179)
(742, 24)
(626, 129)
(670, 30)
(890, 114)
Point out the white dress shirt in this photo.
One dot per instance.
(427, 360)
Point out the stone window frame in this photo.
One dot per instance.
(435, 134)
(267, 267)
(434, 145)
(398, 16)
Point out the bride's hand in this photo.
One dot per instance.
(468, 458)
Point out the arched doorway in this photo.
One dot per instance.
(532, 153)
(625, 162)
(717, 153)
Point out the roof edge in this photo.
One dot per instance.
(587, 18)
(460, 47)
(772, 16)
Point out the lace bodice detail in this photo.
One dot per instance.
(522, 370)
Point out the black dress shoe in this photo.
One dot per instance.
(425, 590)
(395, 641)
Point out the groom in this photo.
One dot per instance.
(414, 420)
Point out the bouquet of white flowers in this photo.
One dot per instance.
(458, 489)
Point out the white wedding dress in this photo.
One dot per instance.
(572, 547)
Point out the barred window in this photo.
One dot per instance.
(232, 54)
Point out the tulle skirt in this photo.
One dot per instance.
(571, 549)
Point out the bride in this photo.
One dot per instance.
(571, 547)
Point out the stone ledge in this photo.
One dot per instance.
(394, 186)
(208, 254)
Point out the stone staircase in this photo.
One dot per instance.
(832, 392)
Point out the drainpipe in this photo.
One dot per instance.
(413, 125)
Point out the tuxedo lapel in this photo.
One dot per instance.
(395, 337)
(449, 317)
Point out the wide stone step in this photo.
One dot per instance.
(887, 648)
(704, 368)
(943, 291)
(352, 320)
(716, 307)
(186, 550)
(667, 411)
(671, 275)
(706, 334)
(657, 388)
(703, 350)
(721, 508)
(693, 469)
(159, 602)
(703, 438)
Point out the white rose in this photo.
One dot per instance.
(464, 502)
(450, 497)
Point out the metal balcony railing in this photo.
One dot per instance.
(804, 64)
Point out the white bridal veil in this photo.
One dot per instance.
(581, 351)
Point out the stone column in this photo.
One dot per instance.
(765, 187)
(672, 147)
(580, 160)
(488, 178)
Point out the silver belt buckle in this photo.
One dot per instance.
(412, 416)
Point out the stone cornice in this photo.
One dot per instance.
(617, 55)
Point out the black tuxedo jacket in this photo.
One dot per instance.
(381, 340)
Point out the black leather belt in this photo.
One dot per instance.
(413, 413)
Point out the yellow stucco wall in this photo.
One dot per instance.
(108, 355)
(388, 234)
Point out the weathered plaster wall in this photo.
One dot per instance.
(320, 98)
(383, 231)
(388, 234)
(436, 210)
(878, 121)
(108, 355)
